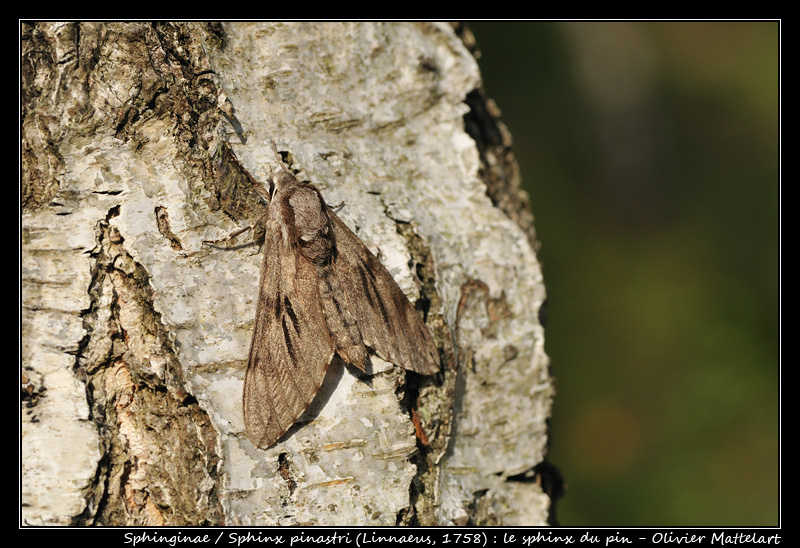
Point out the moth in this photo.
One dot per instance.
(322, 292)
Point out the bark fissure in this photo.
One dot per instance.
(160, 465)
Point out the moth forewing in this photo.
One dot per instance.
(322, 292)
(389, 324)
(290, 349)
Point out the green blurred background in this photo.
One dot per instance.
(651, 151)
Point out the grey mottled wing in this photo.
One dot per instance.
(291, 348)
(388, 323)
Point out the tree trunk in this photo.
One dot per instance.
(139, 142)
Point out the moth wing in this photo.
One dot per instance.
(389, 324)
(291, 348)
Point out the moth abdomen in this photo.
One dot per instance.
(342, 325)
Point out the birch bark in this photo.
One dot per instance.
(138, 142)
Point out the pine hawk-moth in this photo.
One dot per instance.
(322, 292)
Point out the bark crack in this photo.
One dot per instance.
(160, 465)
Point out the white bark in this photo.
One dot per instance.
(372, 113)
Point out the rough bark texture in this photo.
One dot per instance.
(139, 141)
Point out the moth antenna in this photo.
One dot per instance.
(278, 156)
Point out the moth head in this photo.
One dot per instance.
(280, 180)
